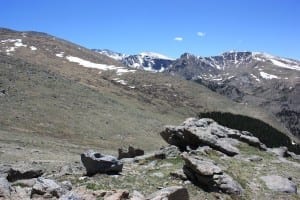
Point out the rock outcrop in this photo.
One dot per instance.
(194, 133)
(97, 163)
(205, 173)
(279, 184)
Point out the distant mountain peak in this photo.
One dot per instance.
(155, 55)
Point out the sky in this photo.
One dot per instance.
(169, 27)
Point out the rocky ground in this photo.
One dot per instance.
(203, 161)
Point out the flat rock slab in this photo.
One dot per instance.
(279, 184)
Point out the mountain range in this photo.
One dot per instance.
(259, 79)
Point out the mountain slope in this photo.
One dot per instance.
(51, 87)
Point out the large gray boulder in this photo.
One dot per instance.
(279, 184)
(170, 193)
(194, 133)
(15, 174)
(205, 173)
(97, 163)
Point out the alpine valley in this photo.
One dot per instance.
(235, 123)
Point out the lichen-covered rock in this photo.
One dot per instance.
(47, 187)
(97, 163)
(207, 174)
(194, 133)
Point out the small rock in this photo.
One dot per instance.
(98, 163)
(158, 174)
(47, 187)
(279, 184)
(130, 153)
(18, 174)
(170, 193)
(255, 158)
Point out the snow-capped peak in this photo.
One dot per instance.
(155, 55)
(278, 61)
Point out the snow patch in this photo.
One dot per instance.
(61, 54)
(104, 67)
(283, 65)
(268, 76)
(16, 42)
(33, 48)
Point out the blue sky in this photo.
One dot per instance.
(170, 27)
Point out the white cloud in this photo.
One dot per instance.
(178, 38)
(201, 34)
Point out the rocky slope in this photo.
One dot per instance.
(201, 170)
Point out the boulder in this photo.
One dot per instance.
(48, 188)
(130, 153)
(5, 188)
(205, 173)
(279, 184)
(97, 163)
(170, 193)
(18, 174)
(194, 133)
